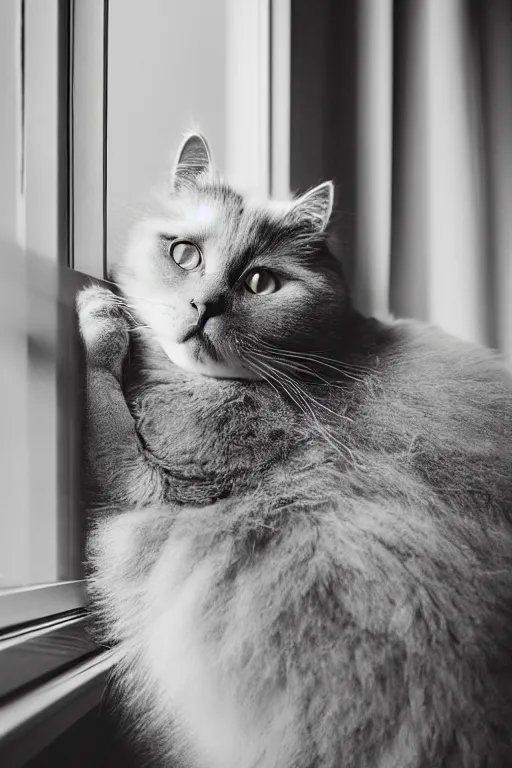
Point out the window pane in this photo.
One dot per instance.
(166, 74)
(39, 531)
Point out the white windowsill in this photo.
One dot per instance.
(20, 606)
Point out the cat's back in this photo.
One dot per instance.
(445, 370)
(440, 402)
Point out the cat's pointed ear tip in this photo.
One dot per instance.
(328, 187)
(324, 190)
(194, 137)
(316, 204)
(193, 160)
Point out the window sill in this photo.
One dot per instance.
(32, 720)
(29, 604)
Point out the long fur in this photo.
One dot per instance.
(314, 568)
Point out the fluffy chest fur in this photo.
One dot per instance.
(291, 588)
(212, 438)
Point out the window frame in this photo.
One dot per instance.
(32, 721)
(87, 130)
(40, 703)
(51, 672)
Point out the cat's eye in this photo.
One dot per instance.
(261, 281)
(186, 254)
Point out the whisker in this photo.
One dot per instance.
(304, 397)
(309, 396)
(338, 366)
(302, 403)
(307, 370)
(257, 369)
(123, 305)
(311, 355)
(123, 296)
(275, 377)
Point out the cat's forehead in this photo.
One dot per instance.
(227, 214)
(229, 226)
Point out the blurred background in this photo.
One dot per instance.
(406, 104)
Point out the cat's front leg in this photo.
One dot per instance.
(116, 461)
(104, 329)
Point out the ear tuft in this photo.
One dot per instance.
(193, 160)
(315, 206)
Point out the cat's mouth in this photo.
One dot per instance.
(203, 345)
(203, 350)
(196, 352)
(189, 334)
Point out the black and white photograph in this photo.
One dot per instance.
(256, 383)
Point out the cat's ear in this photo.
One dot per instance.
(193, 160)
(315, 206)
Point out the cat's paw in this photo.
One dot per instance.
(104, 328)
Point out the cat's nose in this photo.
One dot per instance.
(207, 309)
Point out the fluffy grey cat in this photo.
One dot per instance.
(303, 540)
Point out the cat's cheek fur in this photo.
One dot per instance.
(183, 356)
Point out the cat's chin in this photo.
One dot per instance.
(182, 356)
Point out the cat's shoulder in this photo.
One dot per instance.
(421, 348)
(425, 382)
(421, 369)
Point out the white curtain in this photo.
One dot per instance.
(434, 159)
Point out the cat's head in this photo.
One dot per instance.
(223, 281)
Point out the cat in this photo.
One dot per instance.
(301, 539)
